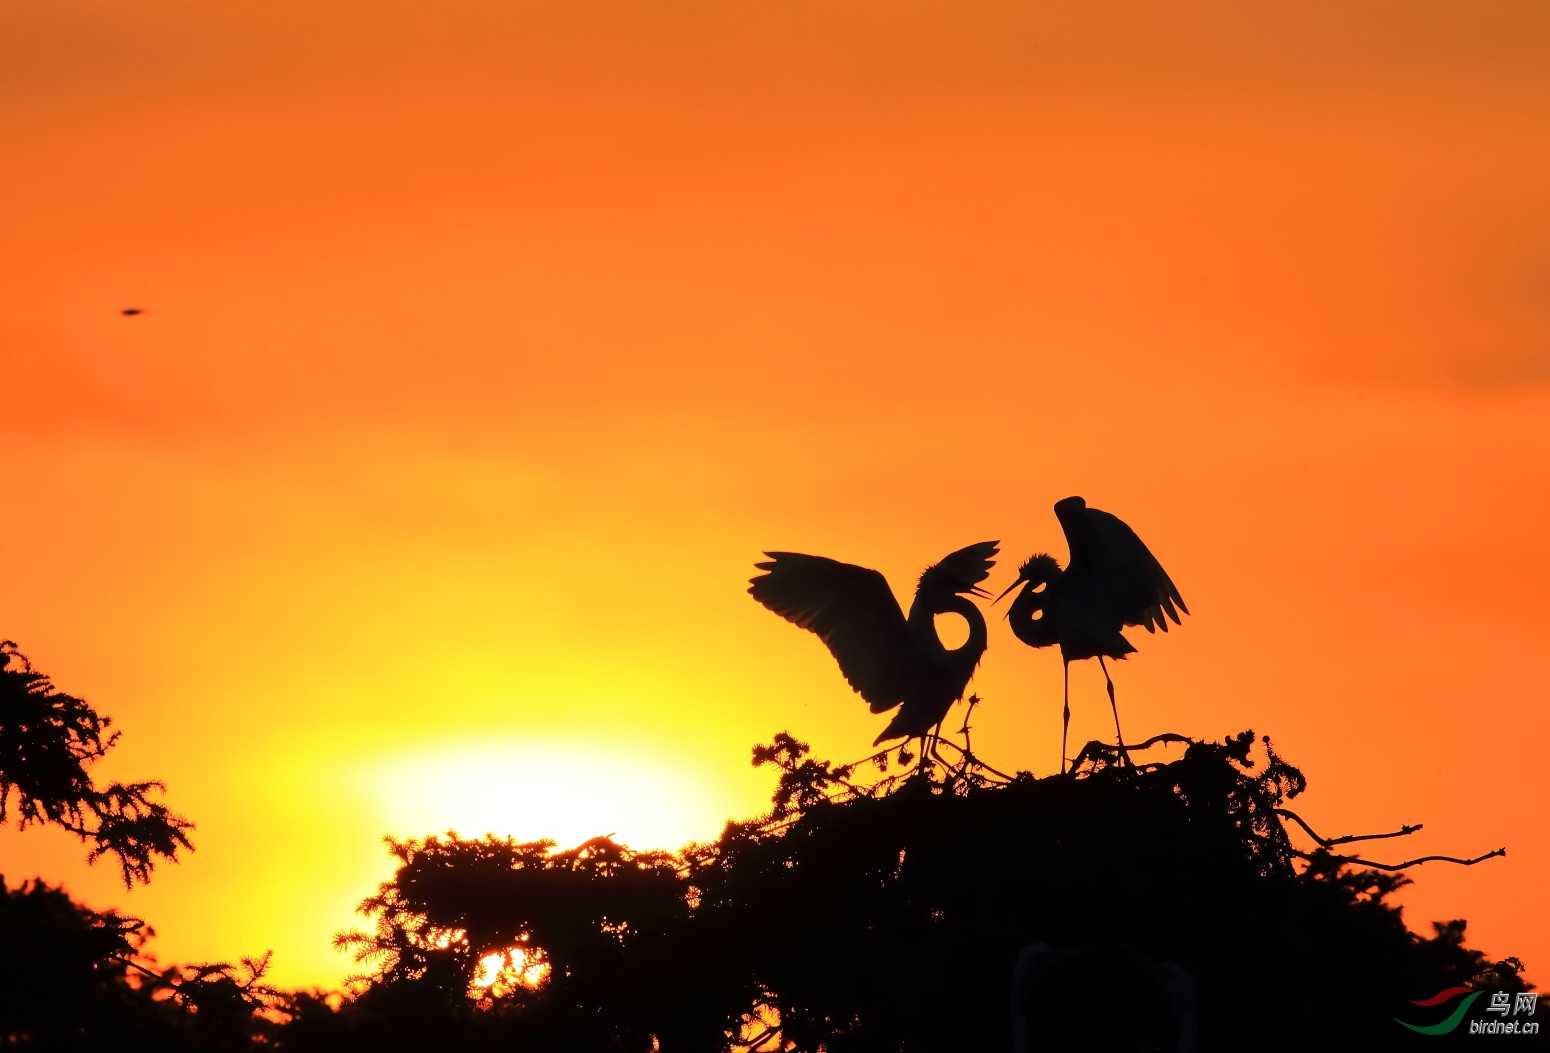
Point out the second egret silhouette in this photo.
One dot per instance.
(1112, 581)
(888, 658)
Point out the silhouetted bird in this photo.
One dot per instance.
(1112, 581)
(889, 659)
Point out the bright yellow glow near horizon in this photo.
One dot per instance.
(484, 346)
(532, 790)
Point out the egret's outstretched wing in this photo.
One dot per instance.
(1132, 582)
(961, 571)
(853, 612)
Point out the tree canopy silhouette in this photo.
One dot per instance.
(72, 978)
(944, 909)
(855, 918)
(48, 741)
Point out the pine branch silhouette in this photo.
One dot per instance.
(48, 741)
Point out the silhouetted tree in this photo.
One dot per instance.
(48, 741)
(853, 917)
(580, 949)
(856, 918)
(74, 978)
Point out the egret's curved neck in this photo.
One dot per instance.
(1035, 632)
(922, 623)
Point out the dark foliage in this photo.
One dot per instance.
(856, 919)
(48, 740)
(851, 919)
(62, 970)
(76, 979)
(574, 930)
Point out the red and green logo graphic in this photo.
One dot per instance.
(1454, 1019)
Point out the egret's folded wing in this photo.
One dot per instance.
(853, 612)
(962, 570)
(1135, 584)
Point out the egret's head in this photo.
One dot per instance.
(1037, 571)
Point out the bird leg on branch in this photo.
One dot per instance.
(927, 752)
(936, 740)
(972, 700)
(1119, 736)
(931, 745)
(969, 760)
(1065, 716)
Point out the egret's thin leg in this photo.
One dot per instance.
(1119, 736)
(1065, 718)
(936, 739)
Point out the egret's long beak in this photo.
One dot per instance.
(975, 590)
(1009, 588)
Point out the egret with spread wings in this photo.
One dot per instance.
(1111, 581)
(889, 659)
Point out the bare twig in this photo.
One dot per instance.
(1167, 738)
(871, 758)
(966, 759)
(969, 760)
(1097, 749)
(762, 1037)
(973, 701)
(1325, 842)
(155, 976)
(1403, 831)
(1356, 861)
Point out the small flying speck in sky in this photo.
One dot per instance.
(132, 310)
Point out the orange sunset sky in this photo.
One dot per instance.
(488, 343)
